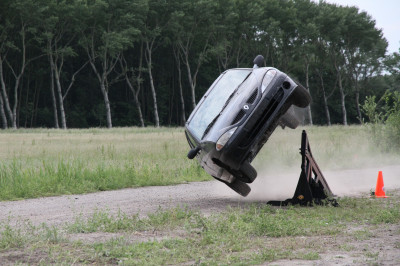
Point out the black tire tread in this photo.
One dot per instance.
(248, 172)
(239, 187)
(301, 97)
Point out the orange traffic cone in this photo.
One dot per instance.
(380, 189)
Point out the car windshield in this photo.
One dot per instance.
(216, 99)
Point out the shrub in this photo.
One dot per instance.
(384, 119)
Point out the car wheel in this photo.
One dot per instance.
(248, 173)
(301, 97)
(239, 187)
(289, 119)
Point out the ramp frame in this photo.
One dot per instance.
(312, 187)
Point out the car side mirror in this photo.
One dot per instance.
(258, 61)
(193, 152)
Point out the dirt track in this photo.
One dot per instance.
(207, 197)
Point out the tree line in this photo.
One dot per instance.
(86, 63)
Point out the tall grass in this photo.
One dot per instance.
(45, 162)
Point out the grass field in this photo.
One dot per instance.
(54, 162)
(44, 162)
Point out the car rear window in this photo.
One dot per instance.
(215, 100)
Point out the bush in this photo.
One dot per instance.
(384, 119)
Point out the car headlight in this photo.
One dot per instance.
(267, 79)
(224, 138)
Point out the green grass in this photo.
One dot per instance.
(45, 162)
(245, 236)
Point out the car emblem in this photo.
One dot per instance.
(246, 107)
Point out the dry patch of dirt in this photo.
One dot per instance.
(29, 257)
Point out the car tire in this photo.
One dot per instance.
(239, 187)
(248, 173)
(301, 97)
(289, 119)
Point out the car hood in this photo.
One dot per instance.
(239, 106)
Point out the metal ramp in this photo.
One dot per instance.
(312, 187)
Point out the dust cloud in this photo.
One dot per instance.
(351, 182)
(354, 182)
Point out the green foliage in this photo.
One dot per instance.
(393, 120)
(103, 221)
(10, 237)
(392, 63)
(312, 41)
(370, 109)
(385, 119)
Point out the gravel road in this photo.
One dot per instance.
(207, 197)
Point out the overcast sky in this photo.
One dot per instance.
(386, 13)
